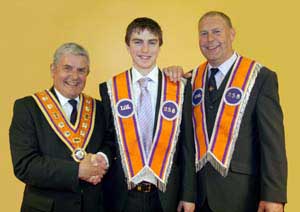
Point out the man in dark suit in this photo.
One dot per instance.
(154, 165)
(238, 126)
(60, 142)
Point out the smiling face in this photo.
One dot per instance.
(215, 39)
(69, 74)
(144, 48)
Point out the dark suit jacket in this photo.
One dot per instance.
(44, 163)
(181, 183)
(258, 169)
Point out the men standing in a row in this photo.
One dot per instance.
(238, 126)
(154, 168)
(54, 136)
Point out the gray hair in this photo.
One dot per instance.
(72, 48)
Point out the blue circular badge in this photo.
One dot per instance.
(125, 108)
(233, 96)
(197, 96)
(169, 110)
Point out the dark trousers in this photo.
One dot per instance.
(204, 208)
(143, 202)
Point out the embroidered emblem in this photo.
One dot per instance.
(169, 110)
(197, 96)
(125, 108)
(233, 96)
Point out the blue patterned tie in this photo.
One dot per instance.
(145, 114)
(212, 85)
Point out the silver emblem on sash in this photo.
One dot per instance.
(67, 133)
(78, 154)
(49, 106)
(61, 124)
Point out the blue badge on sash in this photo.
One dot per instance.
(125, 108)
(197, 96)
(169, 110)
(233, 96)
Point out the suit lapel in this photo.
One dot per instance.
(157, 100)
(54, 93)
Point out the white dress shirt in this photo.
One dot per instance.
(152, 87)
(223, 69)
(67, 107)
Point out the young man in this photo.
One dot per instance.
(238, 125)
(54, 136)
(154, 167)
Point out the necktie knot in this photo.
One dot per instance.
(143, 82)
(213, 71)
(73, 102)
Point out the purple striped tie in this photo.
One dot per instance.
(145, 114)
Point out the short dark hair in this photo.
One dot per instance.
(217, 13)
(140, 24)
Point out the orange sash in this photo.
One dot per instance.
(75, 137)
(134, 160)
(219, 149)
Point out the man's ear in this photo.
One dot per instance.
(128, 48)
(52, 69)
(232, 34)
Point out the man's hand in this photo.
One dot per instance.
(92, 168)
(265, 206)
(98, 160)
(186, 206)
(175, 73)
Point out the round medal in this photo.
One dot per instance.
(78, 154)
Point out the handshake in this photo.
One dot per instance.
(92, 168)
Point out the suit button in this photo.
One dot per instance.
(211, 107)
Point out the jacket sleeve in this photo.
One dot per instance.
(273, 161)
(30, 164)
(108, 119)
(108, 145)
(188, 183)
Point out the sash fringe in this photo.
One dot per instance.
(223, 166)
(201, 163)
(223, 170)
(241, 112)
(119, 140)
(161, 183)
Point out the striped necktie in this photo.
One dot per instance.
(145, 114)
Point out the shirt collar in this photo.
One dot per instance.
(225, 67)
(62, 99)
(153, 75)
